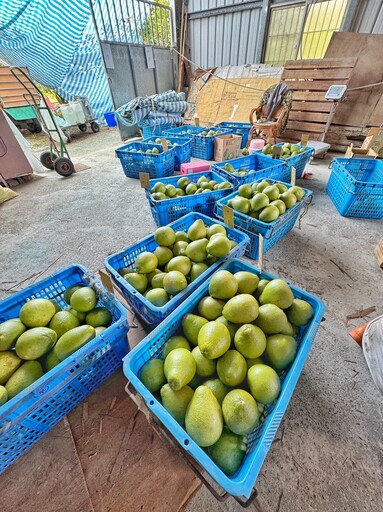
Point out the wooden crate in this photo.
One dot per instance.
(310, 80)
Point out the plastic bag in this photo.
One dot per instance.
(6, 194)
(373, 350)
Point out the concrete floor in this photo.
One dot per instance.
(327, 455)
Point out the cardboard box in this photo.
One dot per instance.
(227, 147)
(360, 153)
(191, 167)
(372, 146)
(374, 140)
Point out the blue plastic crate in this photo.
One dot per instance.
(264, 168)
(355, 187)
(272, 232)
(252, 249)
(297, 161)
(203, 145)
(151, 131)
(157, 166)
(32, 413)
(182, 149)
(150, 313)
(238, 129)
(168, 210)
(183, 131)
(243, 481)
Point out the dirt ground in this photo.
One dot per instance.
(327, 453)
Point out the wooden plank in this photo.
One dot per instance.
(312, 106)
(321, 63)
(319, 74)
(360, 106)
(47, 478)
(339, 136)
(11, 92)
(376, 117)
(347, 133)
(305, 127)
(308, 96)
(5, 70)
(345, 44)
(316, 117)
(295, 135)
(357, 108)
(15, 103)
(312, 85)
(127, 466)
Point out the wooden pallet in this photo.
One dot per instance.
(310, 80)
(12, 93)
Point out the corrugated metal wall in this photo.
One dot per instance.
(232, 32)
(230, 36)
(368, 17)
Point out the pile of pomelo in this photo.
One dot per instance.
(287, 150)
(223, 367)
(44, 335)
(209, 133)
(185, 187)
(242, 171)
(178, 260)
(266, 201)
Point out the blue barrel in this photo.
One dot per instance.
(110, 119)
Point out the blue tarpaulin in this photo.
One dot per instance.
(57, 42)
(164, 108)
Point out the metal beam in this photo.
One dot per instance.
(216, 11)
(262, 36)
(350, 14)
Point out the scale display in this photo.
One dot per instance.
(335, 92)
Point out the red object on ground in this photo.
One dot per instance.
(357, 334)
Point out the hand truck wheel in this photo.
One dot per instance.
(47, 159)
(64, 166)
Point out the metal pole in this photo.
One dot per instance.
(102, 53)
(110, 22)
(135, 22)
(263, 31)
(123, 22)
(306, 12)
(117, 21)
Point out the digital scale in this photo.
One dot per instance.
(335, 94)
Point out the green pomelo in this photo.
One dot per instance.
(240, 412)
(152, 375)
(223, 285)
(37, 313)
(264, 383)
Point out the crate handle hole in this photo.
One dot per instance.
(186, 442)
(151, 402)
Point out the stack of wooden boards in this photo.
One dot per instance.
(310, 80)
(351, 59)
